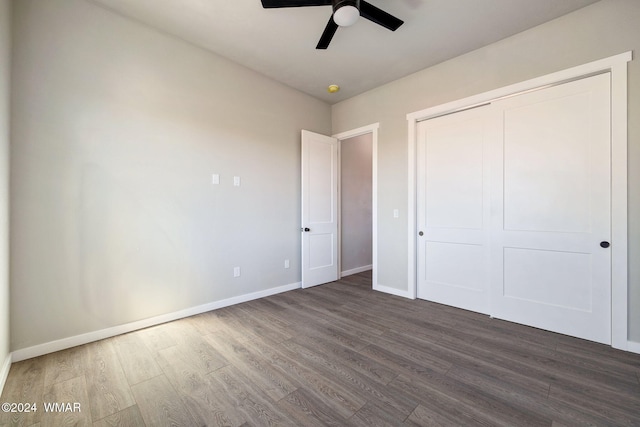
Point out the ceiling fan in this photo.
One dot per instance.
(345, 13)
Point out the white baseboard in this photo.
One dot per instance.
(4, 371)
(392, 291)
(633, 346)
(356, 270)
(62, 344)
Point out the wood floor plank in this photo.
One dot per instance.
(137, 361)
(438, 407)
(156, 338)
(63, 365)
(465, 356)
(499, 382)
(247, 399)
(195, 348)
(199, 395)
(612, 365)
(105, 379)
(308, 410)
(361, 385)
(24, 384)
(351, 319)
(461, 402)
(622, 408)
(430, 416)
(355, 360)
(333, 331)
(399, 363)
(341, 400)
(264, 313)
(128, 417)
(376, 414)
(270, 380)
(230, 323)
(251, 321)
(159, 404)
(556, 367)
(205, 323)
(75, 399)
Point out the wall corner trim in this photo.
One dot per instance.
(4, 371)
(64, 343)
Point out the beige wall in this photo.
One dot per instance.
(603, 29)
(5, 63)
(117, 130)
(355, 204)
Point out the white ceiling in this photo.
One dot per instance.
(280, 43)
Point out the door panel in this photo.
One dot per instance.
(453, 178)
(546, 160)
(455, 265)
(453, 210)
(319, 209)
(551, 198)
(552, 278)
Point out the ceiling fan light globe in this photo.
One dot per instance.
(346, 16)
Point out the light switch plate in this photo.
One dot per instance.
(236, 181)
(215, 179)
(396, 213)
(236, 271)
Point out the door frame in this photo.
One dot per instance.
(373, 130)
(617, 66)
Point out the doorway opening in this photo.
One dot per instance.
(358, 203)
(356, 228)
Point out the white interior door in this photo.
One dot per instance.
(453, 210)
(319, 209)
(552, 202)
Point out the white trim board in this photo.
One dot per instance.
(393, 291)
(356, 270)
(617, 66)
(633, 346)
(53, 346)
(4, 371)
(373, 130)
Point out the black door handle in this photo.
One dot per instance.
(305, 229)
(605, 244)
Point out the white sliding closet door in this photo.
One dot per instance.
(514, 207)
(453, 210)
(552, 203)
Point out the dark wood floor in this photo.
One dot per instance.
(339, 354)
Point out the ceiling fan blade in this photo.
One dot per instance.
(379, 16)
(268, 4)
(327, 34)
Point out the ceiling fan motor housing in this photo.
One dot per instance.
(346, 12)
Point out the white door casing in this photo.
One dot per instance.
(453, 210)
(616, 67)
(319, 226)
(552, 209)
